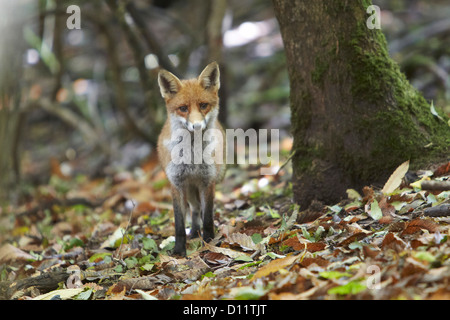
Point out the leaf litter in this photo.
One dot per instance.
(111, 238)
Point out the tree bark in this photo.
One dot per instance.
(355, 117)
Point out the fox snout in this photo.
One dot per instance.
(196, 126)
(196, 121)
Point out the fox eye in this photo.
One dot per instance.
(203, 106)
(183, 108)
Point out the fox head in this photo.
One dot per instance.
(193, 103)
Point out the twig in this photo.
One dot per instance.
(286, 162)
(121, 100)
(420, 34)
(149, 39)
(119, 253)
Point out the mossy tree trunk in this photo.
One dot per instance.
(355, 117)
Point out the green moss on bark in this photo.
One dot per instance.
(402, 126)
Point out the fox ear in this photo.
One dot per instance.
(210, 77)
(169, 84)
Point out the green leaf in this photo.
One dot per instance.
(131, 262)
(147, 267)
(248, 293)
(334, 274)
(149, 244)
(375, 211)
(307, 235)
(158, 185)
(209, 274)
(74, 242)
(257, 238)
(424, 255)
(352, 194)
(273, 213)
(335, 208)
(100, 255)
(353, 287)
(85, 295)
(434, 112)
(243, 258)
(273, 255)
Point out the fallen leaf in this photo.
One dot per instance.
(275, 265)
(395, 179)
(442, 170)
(63, 294)
(145, 295)
(386, 208)
(229, 252)
(216, 258)
(392, 241)
(245, 242)
(295, 244)
(354, 237)
(418, 224)
(247, 292)
(352, 287)
(9, 253)
(375, 212)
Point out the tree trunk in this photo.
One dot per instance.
(355, 117)
(11, 116)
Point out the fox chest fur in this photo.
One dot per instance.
(197, 161)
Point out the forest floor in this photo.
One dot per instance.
(111, 238)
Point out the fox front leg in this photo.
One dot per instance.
(179, 210)
(207, 205)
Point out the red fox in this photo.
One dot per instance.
(192, 109)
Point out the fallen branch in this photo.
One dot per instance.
(442, 210)
(44, 283)
(435, 185)
(60, 202)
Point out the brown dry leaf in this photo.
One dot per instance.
(392, 241)
(371, 252)
(216, 258)
(395, 179)
(412, 266)
(386, 208)
(117, 291)
(368, 194)
(275, 265)
(192, 269)
(355, 237)
(418, 224)
(442, 170)
(295, 244)
(9, 253)
(440, 294)
(321, 262)
(144, 207)
(245, 242)
(206, 295)
(229, 252)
